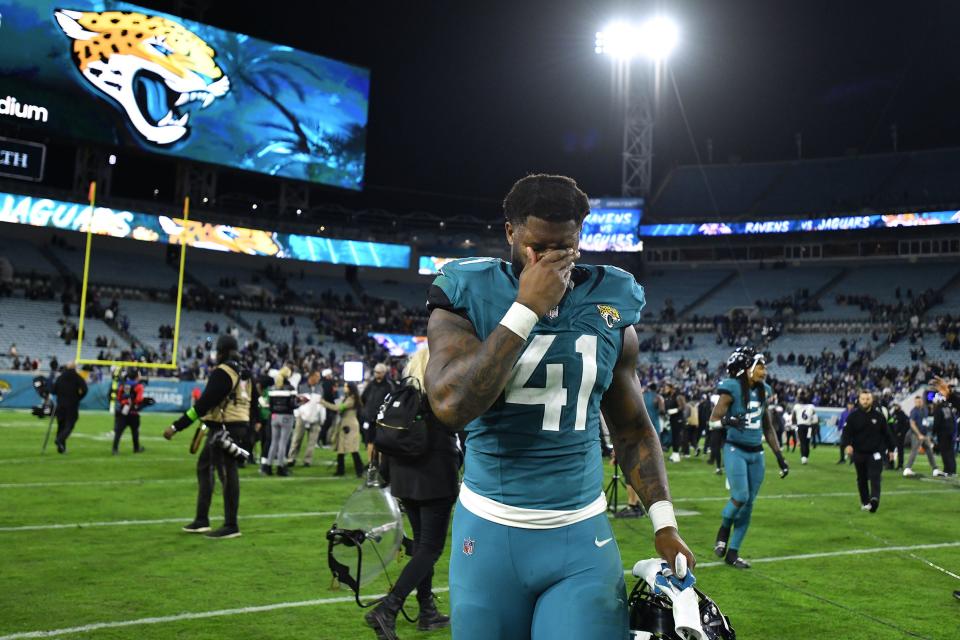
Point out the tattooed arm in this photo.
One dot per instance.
(637, 445)
(464, 375)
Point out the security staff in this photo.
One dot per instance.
(227, 403)
(129, 401)
(945, 428)
(70, 389)
(674, 403)
(865, 438)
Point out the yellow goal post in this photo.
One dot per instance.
(83, 296)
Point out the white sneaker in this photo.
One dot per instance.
(865, 507)
(908, 472)
(803, 459)
(674, 457)
(937, 472)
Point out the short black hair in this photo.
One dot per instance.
(548, 197)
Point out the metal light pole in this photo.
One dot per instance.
(624, 43)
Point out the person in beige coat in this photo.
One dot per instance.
(346, 436)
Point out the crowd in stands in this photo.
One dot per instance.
(798, 302)
(907, 306)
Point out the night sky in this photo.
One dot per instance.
(468, 96)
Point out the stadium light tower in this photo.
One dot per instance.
(651, 43)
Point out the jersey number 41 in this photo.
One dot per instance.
(553, 396)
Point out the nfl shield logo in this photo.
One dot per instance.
(468, 546)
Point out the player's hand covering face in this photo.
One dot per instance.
(542, 254)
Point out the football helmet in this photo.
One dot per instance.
(651, 616)
(743, 360)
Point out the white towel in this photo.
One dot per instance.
(685, 603)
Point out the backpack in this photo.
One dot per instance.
(401, 422)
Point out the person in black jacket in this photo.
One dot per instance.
(953, 398)
(866, 437)
(372, 397)
(427, 487)
(70, 389)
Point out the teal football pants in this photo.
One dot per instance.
(745, 472)
(535, 584)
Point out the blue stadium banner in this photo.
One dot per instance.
(612, 225)
(805, 225)
(117, 74)
(399, 344)
(73, 216)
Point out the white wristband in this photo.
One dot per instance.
(715, 424)
(662, 515)
(520, 319)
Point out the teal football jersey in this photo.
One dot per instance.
(538, 446)
(752, 434)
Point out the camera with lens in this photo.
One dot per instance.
(223, 440)
(45, 409)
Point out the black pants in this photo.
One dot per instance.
(815, 432)
(947, 452)
(693, 436)
(805, 431)
(868, 470)
(213, 458)
(327, 423)
(120, 423)
(678, 435)
(66, 421)
(716, 447)
(357, 464)
(264, 438)
(901, 443)
(429, 520)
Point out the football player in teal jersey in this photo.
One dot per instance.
(525, 355)
(742, 410)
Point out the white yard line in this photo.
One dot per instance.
(832, 494)
(93, 483)
(137, 523)
(199, 615)
(831, 554)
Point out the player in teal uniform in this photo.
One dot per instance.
(742, 410)
(526, 355)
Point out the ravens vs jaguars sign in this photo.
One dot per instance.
(118, 74)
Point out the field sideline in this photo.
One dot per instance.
(91, 547)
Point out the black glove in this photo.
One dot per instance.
(182, 422)
(737, 422)
(784, 467)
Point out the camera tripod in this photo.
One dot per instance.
(612, 491)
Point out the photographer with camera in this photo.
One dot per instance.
(226, 407)
(129, 402)
(70, 389)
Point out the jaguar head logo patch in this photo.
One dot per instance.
(609, 314)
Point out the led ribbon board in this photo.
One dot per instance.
(807, 225)
(73, 216)
(612, 226)
(142, 78)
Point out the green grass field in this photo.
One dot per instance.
(90, 546)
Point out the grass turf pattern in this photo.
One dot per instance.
(92, 542)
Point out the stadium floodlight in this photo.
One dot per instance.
(654, 39)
